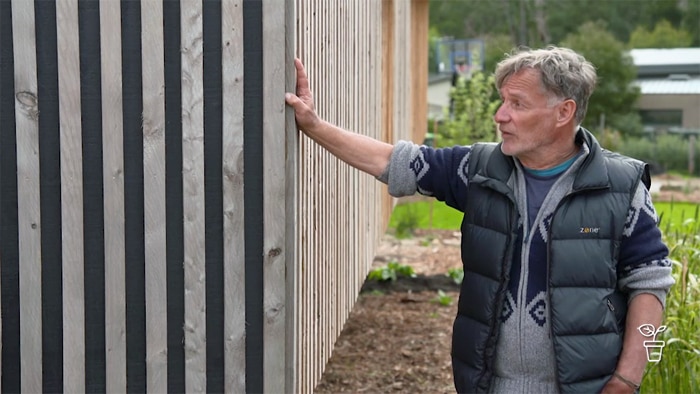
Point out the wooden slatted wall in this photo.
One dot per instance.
(359, 55)
(163, 228)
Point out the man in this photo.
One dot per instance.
(563, 260)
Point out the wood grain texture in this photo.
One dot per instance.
(274, 238)
(71, 196)
(419, 73)
(29, 218)
(322, 218)
(233, 199)
(291, 198)
(193, 189)
(154, 193)
(358, 55)
(113, 178)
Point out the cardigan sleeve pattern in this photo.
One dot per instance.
(644, 265)
(440, 173)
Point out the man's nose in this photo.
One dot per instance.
(501, 114)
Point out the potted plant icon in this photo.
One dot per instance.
(654, 347)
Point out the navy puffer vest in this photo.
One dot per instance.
(587, 311)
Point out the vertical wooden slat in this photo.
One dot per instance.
(358, 64)
(326, 219)
(154, 194)
(360, 70)
(302, 273)
(419, 31)
(346, 52)
(193, 189)
(274, 242)
(312, 189)
(113, 173)
(308, 235)
(71, 196)
(29, 218)
(291, 182)
(234, 253)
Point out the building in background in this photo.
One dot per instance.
(669, 80)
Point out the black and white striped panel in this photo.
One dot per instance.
(125, 230)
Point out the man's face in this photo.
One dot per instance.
(527, 118)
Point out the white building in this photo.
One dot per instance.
(669, 80)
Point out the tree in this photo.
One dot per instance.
(433, 37)
(472, 116)
(540, 22)
(495, 48)
(615, 96)
(664, 35)
(691, 20)
(467, 18)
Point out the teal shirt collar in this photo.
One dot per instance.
(556, 170)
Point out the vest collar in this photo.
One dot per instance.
(593, 173)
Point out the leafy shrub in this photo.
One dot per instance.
(443, 299)
(609, 139)
(406, 223)
(471, 117)
(391, 271)
(665, 152)
(457, 274)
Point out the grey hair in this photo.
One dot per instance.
(563, 73)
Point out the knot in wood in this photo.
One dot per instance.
(274, 252)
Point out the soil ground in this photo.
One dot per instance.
(397, 338)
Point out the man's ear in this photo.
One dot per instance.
(566, 112)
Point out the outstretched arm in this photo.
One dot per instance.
(362, 152)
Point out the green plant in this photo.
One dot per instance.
(427, 240)
(457, 274)
(406, 223)
(444, 217)
(615, 93)
(443, 299)
(664, 35)
(667, 152)
(391, 271)
(678, 371)
(471, 117)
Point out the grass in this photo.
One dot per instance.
(447, 218)
(676, 213)
(679, 369)
(443, 217)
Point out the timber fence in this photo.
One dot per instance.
(163, 227)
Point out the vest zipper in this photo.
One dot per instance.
(549, 295)
(496, 325)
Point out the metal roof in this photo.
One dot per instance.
(668, 86)
(665, 56)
